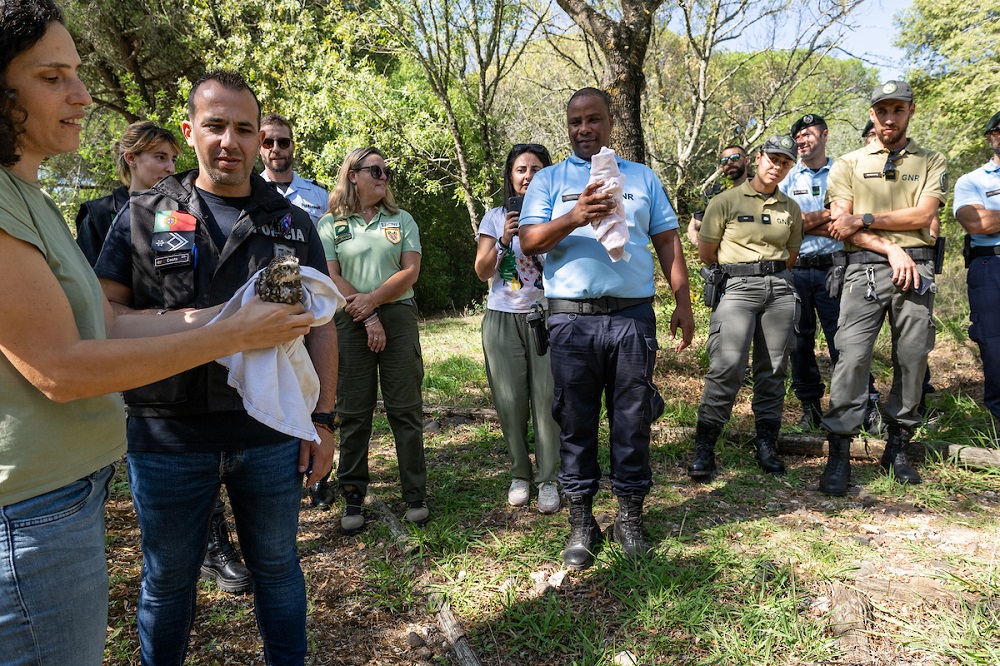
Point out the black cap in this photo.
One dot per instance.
(992, 123)
(805, 121)
(783, 144)
(892, 90)
(869, 126)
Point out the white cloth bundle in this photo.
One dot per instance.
(279, 386)
(611, 231)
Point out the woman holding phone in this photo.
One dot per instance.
(520, 379)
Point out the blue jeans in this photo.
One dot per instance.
(54, 576)
(984, 281)
(612, 356)
(174, 494)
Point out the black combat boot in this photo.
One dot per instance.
(703, 465)
(584, 534)
(837, 474)
(812, 415)
(627, 531)
(894, 459)
(222, 562)
(321, 494)
(767, 447)
(874, 424)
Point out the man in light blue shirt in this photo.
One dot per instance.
(977, 209)
(601, 321)
(277, 152)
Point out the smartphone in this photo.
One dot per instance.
(514, 204)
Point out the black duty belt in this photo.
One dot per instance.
(593, 306)
(991, 251)
(755, 268)
(869, 257)
(821, 260)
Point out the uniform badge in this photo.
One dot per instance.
(393, 235)
(765, 218)
(174, 220)
(285, 225)
(173, 231)
(815, 190)
(889, 88)
(787, 143)
(341, 232)
(807, 119)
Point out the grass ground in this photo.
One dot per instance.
(745, 570)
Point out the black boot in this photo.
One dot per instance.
(894, 459)
(584, 534)
(873, 423)
(321, 494)
(703, 465)
(767, 447)
(812, 415)
(627, 531)
(222, 562)
(837, 475)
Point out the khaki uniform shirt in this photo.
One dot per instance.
(857, 177)
(750, 226)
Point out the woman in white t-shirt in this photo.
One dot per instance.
(520, 379)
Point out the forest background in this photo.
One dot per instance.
(444, 87)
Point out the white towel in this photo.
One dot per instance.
(611, 231)
(279, 386)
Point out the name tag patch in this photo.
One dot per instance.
(176, 260)
(873, 174)
(993, 193)
(744, 218)
(796, 193)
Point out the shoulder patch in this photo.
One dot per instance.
(944, 182)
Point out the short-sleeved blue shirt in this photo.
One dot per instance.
(579, 266)
(808, 189)
(981, 187)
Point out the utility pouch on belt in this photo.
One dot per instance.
(835, 280)
(539, 328)
(967, 250)
(939, 255)
(714, 277)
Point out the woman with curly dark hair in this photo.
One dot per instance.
(63, 361)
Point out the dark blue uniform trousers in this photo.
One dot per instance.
(984, 285)
(610, 355)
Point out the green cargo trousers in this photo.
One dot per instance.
(861, 315)
(763, 310)
(521, 383)
(399, 369)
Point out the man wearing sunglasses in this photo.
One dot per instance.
(601, 321)
(277, 152)
(977, 209)
(733, 165)
(883, 199)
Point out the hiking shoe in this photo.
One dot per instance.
(353, 520)
(417, 513)
(519, 492)
(548, 497)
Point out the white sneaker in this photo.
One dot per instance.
(519, 492)
(548, 497)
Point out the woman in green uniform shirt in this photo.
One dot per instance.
(752, 234)
(373, 252)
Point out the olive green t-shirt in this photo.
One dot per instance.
(369, 254)
(46, 445)
(857, 177)
(750, 226)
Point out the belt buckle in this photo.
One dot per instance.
(767, 268)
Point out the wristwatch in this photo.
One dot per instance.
(325, 420)
(867, 220)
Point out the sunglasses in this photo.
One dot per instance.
(732, 158)
(283, 143)
(376, 172)
(889, 170)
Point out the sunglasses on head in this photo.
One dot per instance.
(732, 158)
(376, 171)
(283, 143)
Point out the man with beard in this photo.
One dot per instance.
(977, 209)
(277, 152)
(192, 241)
(601, 321)
(883, 199)
(806, 185)
(733, 163)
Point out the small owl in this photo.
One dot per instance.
(281, 281)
